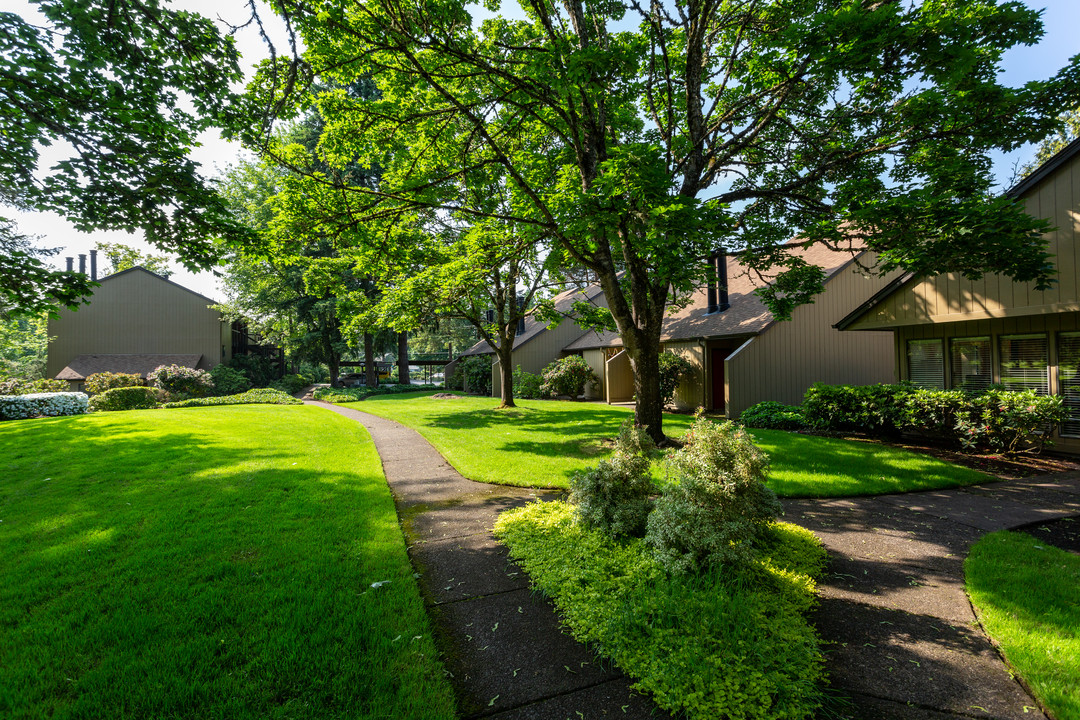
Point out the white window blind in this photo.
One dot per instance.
(970, 363)
(1024, 363)
(926, 363)
(1069, 380)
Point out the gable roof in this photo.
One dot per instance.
(83, 366)
(747, 314)
(564, 303)
(1045, 170)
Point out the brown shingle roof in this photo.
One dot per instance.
(747, 314)
(85, 365)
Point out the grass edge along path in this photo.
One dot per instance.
(722, 644)
(1025, 594)
(241, 561)
(542, 442)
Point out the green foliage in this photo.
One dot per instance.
(228, 380)
(343, 395)
(18, 386)
(567, 377)
(121, 257)
(874, 409)
(48, 404)
(290, 384)
(615, 497)
(1067, 131)
(126, 398)
(102, 381)
(730, 643)
(24, 343)
(527, 384)
(772, 415)
(714, 507)
(474, 374)
(181, 382)
(259, 369)
(673, 368)
(260, 396)
(1024, 592)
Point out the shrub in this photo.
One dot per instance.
(126, 398)
(18, 386)
(341, 395)
(102, 381)
(476, 374)
(1009, 420)
(228, 380)
(527, 384)
(19, 407)
(567, 376)
(290, 384)
(260, 370)
(715, 505)
(615, 496)
(875, 409)
(673, 368)
(264, 396)
(771, 415)
(181, 381)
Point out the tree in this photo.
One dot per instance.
(656, 134)
(121, 257)
(24, 343)
(28, 285)
(122, 88)
(1054, 143)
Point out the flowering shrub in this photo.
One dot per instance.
(18, 386)
(126, 398)
(181, 381)
(567, 376)
(18, 407)
(102, 381)
(615, 496)
(265, 396)
(673, 368)
(772, 415)
(228, 380)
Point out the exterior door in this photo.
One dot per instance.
(718, 357)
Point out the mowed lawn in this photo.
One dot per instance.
(542, 443)
(206, 562)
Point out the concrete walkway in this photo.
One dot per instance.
(902, 641)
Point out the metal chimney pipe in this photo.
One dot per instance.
(710, 299)
(82, 263)
(70, 264)
(93, 264)
(722, 281)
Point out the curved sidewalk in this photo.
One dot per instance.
(502, 644)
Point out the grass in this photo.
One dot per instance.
(730, 643)
(1025, 592)
(543, 442)
(206, 562)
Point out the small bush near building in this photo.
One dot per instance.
(18, 386)
(263, 396)
(715, 507)
(875, 409)
(181, 382)
(772, 415)
(475, 372)
(259, 369)
(228, 380)
(126, 398)
(290, 384)
(615, 497)
(673, 368)
(53, 404)
(102, 381)
(567, 377)
(527, 385)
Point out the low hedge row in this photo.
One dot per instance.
(265, 396)
(126, 398)
(343, 395)
(20, 407)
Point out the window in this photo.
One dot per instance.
(970, 363)
(926, 363)
(1069, 380)
(1024, 363)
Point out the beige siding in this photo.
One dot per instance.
(619, 378)
(788, 357)
(137, 312)
(690, 395)
(595, 360)
(950, 298)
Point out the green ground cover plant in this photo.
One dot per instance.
(263, 396)
(239, 562)
(541, 443)
(731, 643)
(1024, 592)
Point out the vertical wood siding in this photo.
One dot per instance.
(690, 394)
(595, 360)
(619, 378)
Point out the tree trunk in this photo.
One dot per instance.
(505, 353)
(371, 375)
(335, 370)
(403, 358)
(649, 406)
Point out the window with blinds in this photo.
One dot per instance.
(1069, 380)
(1024, 363)
(970, 363)
(926, 363)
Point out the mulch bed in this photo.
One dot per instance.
(1063, 533)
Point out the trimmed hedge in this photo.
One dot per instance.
(126, 398)
(102, 381)
(264, 396)
(772, 415)
(20, 407)
(344, 395)
(182, 381)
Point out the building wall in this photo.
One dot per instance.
(690, 395)
(790, 356)
(595, 360)
(951, 298)
(138, 312)
(618, 378)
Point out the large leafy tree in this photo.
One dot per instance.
(118, 90)
(658, 133)
(123, 257)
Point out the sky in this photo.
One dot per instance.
(1061, 18)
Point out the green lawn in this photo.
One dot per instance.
(1025, 593)
(542, 442)
(206, 562)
